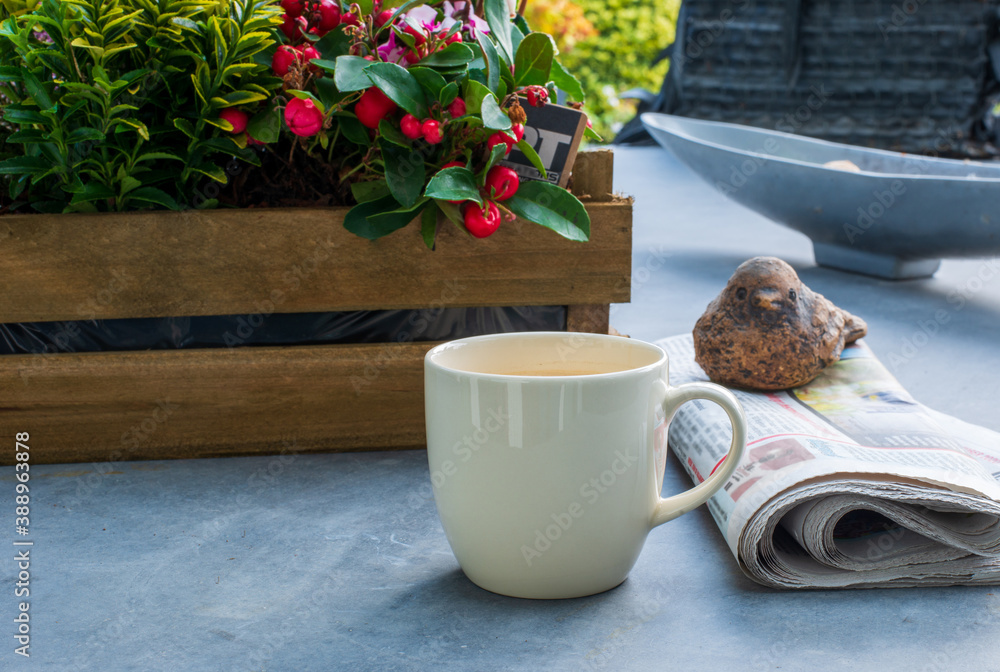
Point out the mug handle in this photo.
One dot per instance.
(672, 507)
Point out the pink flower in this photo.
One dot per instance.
(393, 52)
(426, 17)
(455, 11)
(303, 117)
(42, 36)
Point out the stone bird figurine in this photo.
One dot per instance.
(768, 331)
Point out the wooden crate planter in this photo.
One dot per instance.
(262, 400)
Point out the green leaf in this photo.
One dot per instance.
(521, 24)
(453, 213)
(10, 73)
(37, 91)
(128, 184)
(154, 195)
(211, 171)
(154, 156)
(348, 72)
(590, 133)
(525, 148)
(131, 123)
(553, 207)
(265, 126)
(404, 173)
(28, 135)
(474, 95)
(400, 86)
(369, 191)
(327, 91)
(565, 81)
(24, 164)
(93, 191)
(493, 117)
(84, 135)
(533, 61)
(353, 130)
(515, 38)
(490, 59)
(391, 133)
(237, 70)
(428, 226)
(448, 94)
(374, 219)
(430, 80)
(499, 22)
(454, 184)
(237, 98)
(454, 55)
(333, 44)
(397, 219)
(21, 114)
(496, 155)
(185, 127)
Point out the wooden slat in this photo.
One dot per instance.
(231, 262)
(100, 407)
(593, 318)
(593, 175)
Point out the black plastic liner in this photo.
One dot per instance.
(231, 331)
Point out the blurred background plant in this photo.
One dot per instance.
(608, 45)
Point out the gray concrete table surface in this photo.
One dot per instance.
(338, 561)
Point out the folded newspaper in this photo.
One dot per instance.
(847, 481)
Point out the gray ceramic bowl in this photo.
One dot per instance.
(894, 216)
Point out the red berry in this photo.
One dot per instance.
(481, 222)
(501, 183)
(498, 138)
(537, 95)
(307, 53)
(410, 126)
(293, 27)
(383, 17)
(431, 131)
(284, 57)
(412, 57)
(237, 118)
(373, 107)
(457, 108)
(303, 117)
(454, 37)
(293, 8)
(518, 131)
(418, 35)
(348, 19)
(329, 15)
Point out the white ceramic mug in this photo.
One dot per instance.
(547, 452)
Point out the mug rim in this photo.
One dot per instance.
(430, 359)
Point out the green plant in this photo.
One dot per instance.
(415, 108)
(629, 36)
(116, 102)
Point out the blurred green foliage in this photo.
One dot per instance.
(618, 57)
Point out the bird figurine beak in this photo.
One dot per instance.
(766, 298)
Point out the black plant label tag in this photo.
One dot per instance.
(554, 132)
